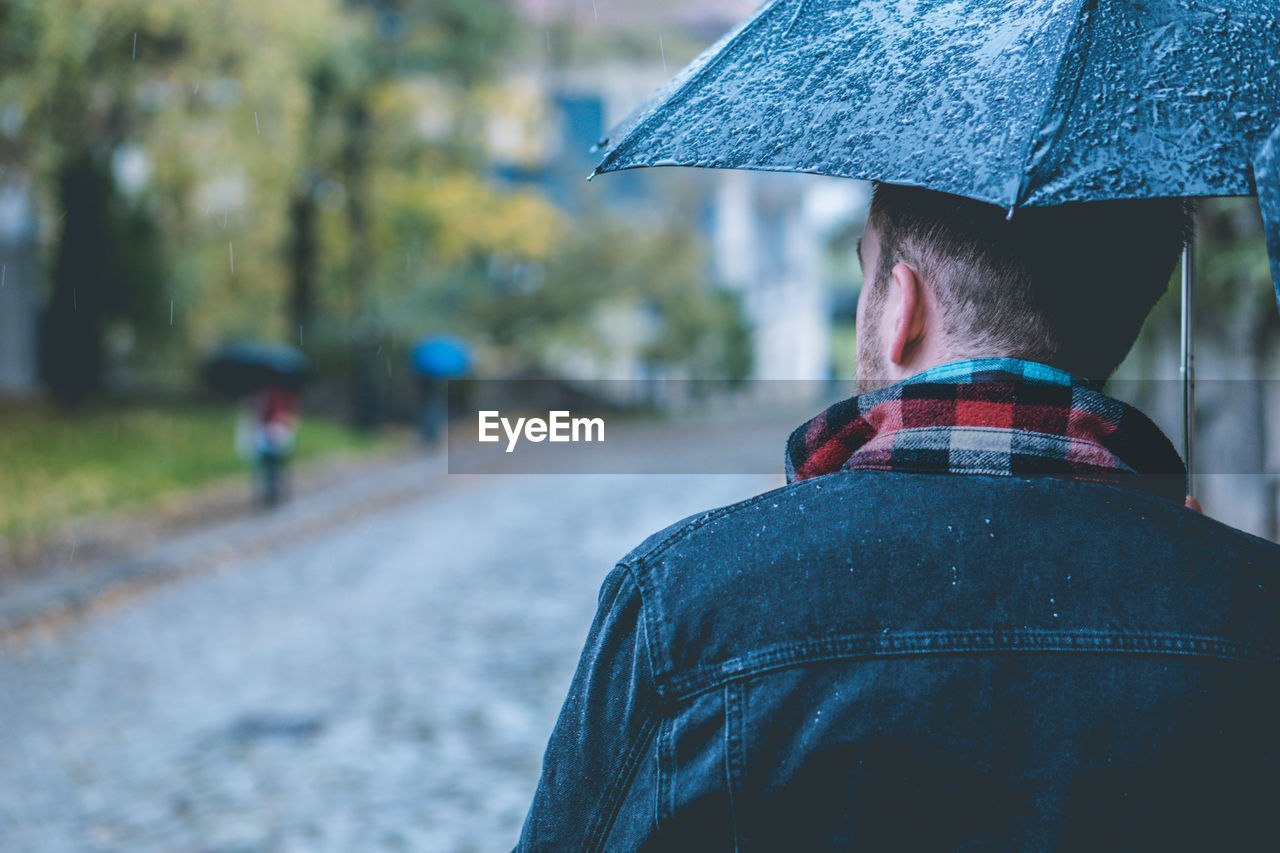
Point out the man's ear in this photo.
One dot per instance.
(909, 317)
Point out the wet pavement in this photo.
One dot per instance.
(386, 682)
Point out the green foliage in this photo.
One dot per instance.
(610, 286)
(1233, 288)
(55, 468)
(313, 171)
(1231, 259)
(209, 96)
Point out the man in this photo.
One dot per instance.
(978, 617)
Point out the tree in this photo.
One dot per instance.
(91, 80)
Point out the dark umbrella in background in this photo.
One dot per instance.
(1019, 103)
(242, 367)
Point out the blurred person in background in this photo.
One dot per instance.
(979, 616)
(266, 434)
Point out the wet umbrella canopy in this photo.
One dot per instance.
(1013, 102)
(246, 366)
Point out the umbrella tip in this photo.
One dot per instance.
(1010, 214)
(594, 172)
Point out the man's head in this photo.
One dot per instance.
(947, 277)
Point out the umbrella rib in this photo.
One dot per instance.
(721, 52)
(799, 11)
(1028, 163)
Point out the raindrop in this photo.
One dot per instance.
(4, 268)
(664, 55)
(196, 90)
(955, 577)
(232, 250)
(301, 341)
(594, 10)
(256, 125)
(135, 45)
(75, 306)
(170, 312)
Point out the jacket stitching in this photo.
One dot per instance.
(651, 618)
(598, 831)
(924, 643)
(734, 763)
(656, 550)
(664, 790)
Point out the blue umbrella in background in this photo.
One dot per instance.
(1014, 102)
(436, 359)
(441, 357)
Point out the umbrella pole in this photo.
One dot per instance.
(1188, 370)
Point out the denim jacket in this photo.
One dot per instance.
(910, 661)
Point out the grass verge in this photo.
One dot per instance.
(56, 466)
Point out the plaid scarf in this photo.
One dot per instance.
(995, 416)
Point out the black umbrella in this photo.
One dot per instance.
(1014, 102)
(243, 367)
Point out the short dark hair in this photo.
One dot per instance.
(1069, 285)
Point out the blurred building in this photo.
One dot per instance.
(768, 234)
(707, 19)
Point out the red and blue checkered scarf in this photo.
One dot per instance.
(1003, 417)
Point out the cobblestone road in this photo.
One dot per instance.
(386, 685)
